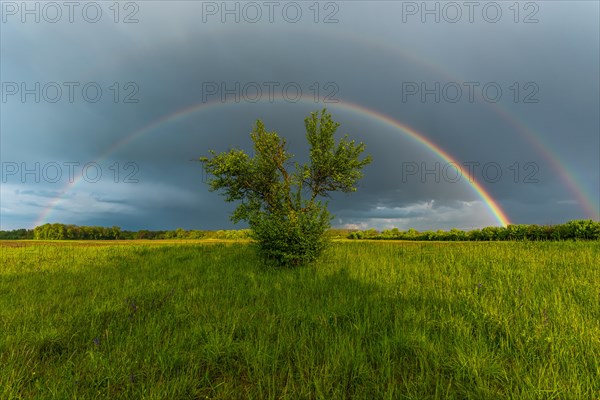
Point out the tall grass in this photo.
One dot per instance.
(369, 321)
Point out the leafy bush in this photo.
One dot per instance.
(294, 240)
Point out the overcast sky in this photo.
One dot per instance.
(95, 94)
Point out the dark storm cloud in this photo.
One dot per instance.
(370, 56)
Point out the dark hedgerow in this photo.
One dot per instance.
(572, 230)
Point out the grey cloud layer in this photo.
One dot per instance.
(370, 55)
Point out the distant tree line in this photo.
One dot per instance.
(572, 230)
(74, 232)
(17, 234)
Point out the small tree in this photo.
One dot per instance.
(281, 205)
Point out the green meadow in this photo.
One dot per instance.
(370, 320)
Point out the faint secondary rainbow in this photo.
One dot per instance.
(567, 175)
(492, 205)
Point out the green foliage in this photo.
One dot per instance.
(16, 234)
(280, 203)
(74, 232)
(572, 230)
(292, 240)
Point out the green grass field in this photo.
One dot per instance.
(371, 320)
